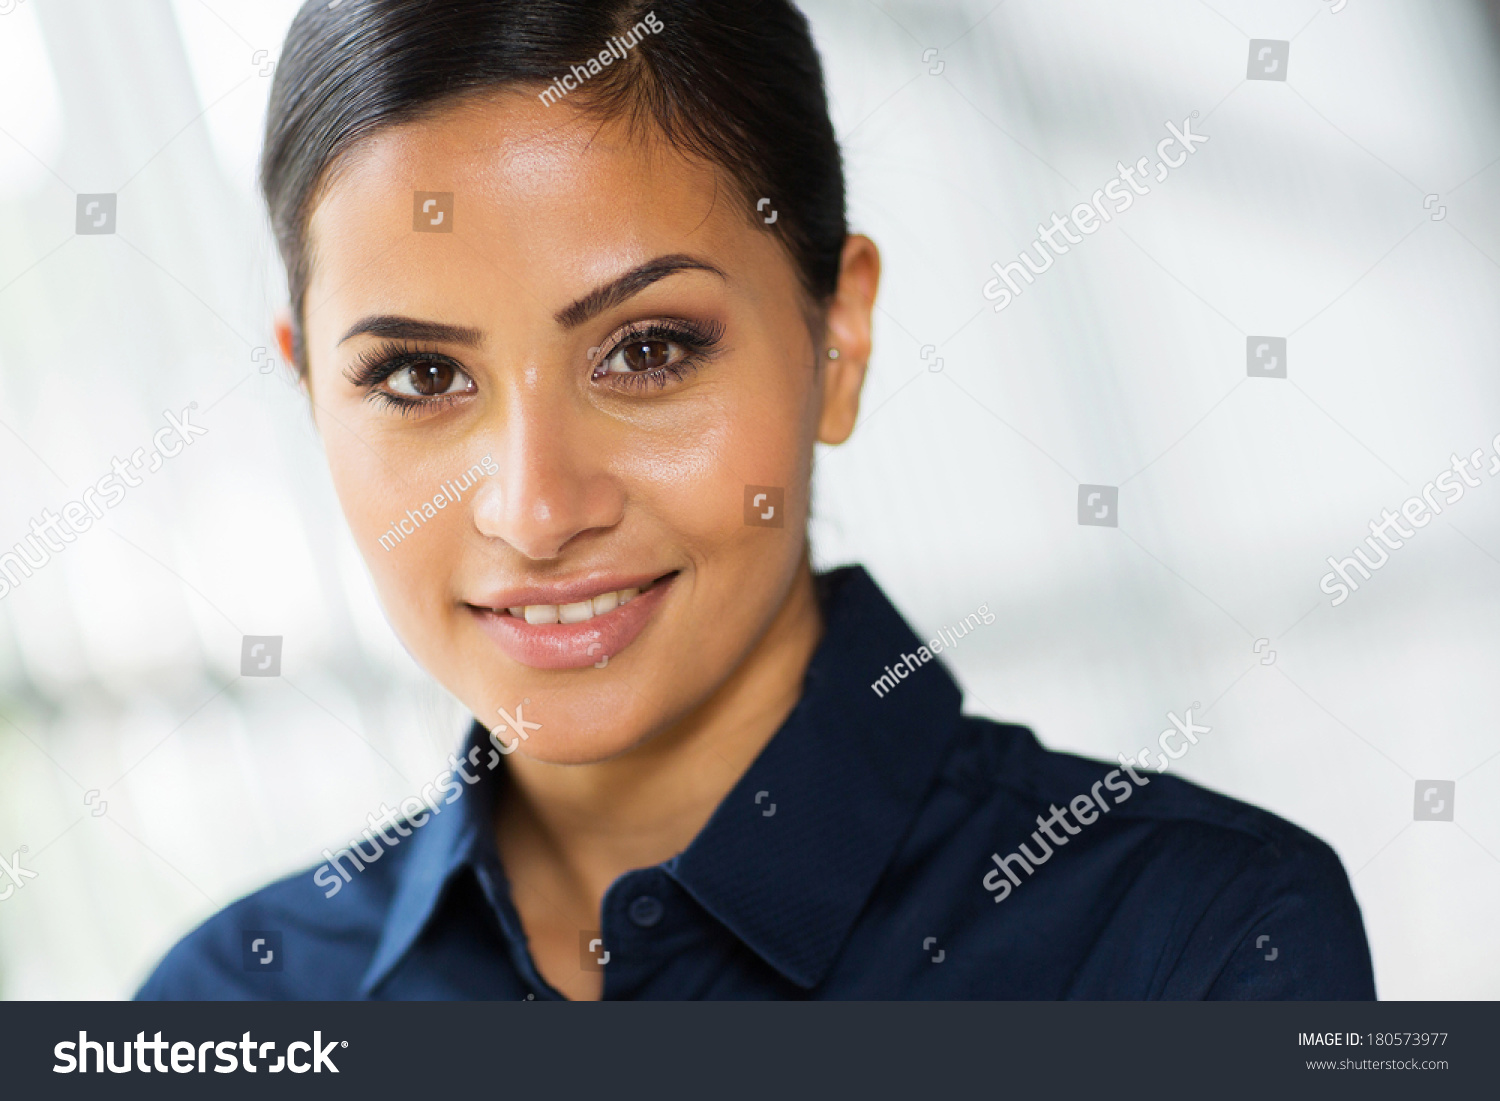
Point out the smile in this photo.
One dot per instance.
(580, 611)
(577, 627)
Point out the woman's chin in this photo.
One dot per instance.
(580, 724)
(578, 745)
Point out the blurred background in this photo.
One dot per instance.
(1346, 202)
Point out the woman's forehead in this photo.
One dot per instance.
(508, 147)
(519, 179)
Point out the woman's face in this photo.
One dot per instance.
(546, 396)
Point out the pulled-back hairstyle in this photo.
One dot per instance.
(736, 83)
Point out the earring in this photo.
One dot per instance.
(833, 353)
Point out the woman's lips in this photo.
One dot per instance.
(543, 645)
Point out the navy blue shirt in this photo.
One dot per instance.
(856, 858)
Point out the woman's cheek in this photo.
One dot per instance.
(368, 493)
(375, 501)
(700, 472)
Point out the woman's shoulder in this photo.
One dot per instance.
(1199, 894)
(1005, 762)
(1075, 877)
(296, 938)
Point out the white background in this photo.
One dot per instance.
(1125, 365)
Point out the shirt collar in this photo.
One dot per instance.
(787, 871)
(846, 774)
(458, 836)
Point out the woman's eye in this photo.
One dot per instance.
(429, 380)
(636, 356)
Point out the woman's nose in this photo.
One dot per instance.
(554, 481)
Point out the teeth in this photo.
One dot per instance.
(579, 612)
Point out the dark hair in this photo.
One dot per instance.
(736, 83)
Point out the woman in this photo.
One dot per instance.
(573, 298)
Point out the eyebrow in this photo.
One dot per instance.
(598, 300)
(634, 281)
(410, 328)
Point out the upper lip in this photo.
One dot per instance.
(573, 591)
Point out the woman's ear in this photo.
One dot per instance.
(282, 324)
(848, 326)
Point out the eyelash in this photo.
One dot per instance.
(698, 341)
(379, 363)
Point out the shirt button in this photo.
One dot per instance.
(646, 911)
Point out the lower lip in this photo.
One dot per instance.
(572, 645)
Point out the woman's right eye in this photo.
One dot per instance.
(429, 379)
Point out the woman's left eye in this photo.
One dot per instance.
(637, 356)
(429, 379)
(659, 353)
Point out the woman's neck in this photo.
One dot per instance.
(574, 829)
